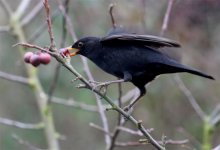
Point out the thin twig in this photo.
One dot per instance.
(6, 7)
(42, 27)
(132, 131)
(99, 128)
(35, 47)
(49, 23)
(25, 143)
(19, 124)
(215, 120)
(111, 7)
(215, 111)
(166, 17)
(14, 78)
(177, 78)
(32, 14)
(21, 9)
(75, 104)
(172, 142)
(58, 65)
(190, 97)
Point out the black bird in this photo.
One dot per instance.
(131, 57)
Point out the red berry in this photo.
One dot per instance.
(27, 56)
(44, 58)
(64, 52)
(34, 60)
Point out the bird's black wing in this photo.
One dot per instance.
(146, 40)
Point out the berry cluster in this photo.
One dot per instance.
(37, 58)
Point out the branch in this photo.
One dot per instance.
(190, 97)
(21, 125)
(166, 17)
(132, 131)
(74, 103)
(14, 78)
(172, 142)
(32, 14)
(25, 143)
(111, 7)
(99, 128)
(41, 28)
(21, 9)
(36, 47)
(6, 7)
(49, 23)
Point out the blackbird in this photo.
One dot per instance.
(131, 57)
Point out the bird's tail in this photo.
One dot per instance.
(177, 67)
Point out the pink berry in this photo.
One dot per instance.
(27, 56)
(44, 58)
(34, 60)
(64, 52)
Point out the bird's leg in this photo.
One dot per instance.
(142, 93)
(127, 77)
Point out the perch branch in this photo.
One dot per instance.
(14, 78)
(19, 124)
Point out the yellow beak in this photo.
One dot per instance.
(72, 49)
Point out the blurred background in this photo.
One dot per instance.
(195, 24)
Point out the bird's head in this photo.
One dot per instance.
(84, 46)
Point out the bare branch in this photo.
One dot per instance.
(215, 120)
(74, 103)
(41, 28)
(215, 111)
(21, 8)
(25, 143)
(6, 7)
(49, 23)
(14, 78)
(111, 7)
(190, 97)
(166, 17)
(36, 47)
(21, 125)
(99, 128)
(69, 24)
(172, 142)
(32, 14)
(132, 131)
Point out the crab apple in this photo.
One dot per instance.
(64, 52)
(44, 58)
(27, 56)
(34, 60)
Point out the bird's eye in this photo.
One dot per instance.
(80, 44)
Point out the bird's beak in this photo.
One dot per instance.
(72, 49)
